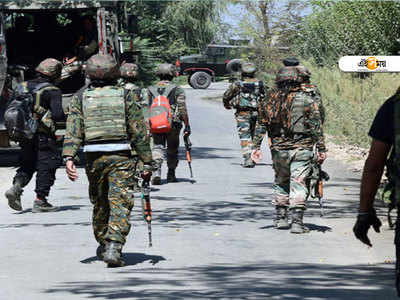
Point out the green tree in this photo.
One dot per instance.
(339, 28)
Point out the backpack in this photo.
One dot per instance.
(287, 111)
(19, 117)
(249, 95)
(160, 115)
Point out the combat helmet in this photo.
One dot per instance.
(291, 62)
(295, 74)
(129, 71)
(102, 67)
(248, 68)
(50, 67)
(166, 69)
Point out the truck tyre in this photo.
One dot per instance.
(188, 79)
(200, 80)
(234, 66)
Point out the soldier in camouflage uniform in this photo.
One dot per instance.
(40, 154)
(293, 115)
(129, 72)
(245, 96)
(177, 100)
(108, 122)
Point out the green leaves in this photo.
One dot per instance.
(338, 28)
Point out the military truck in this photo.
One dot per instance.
(203, 68)
(50, 34)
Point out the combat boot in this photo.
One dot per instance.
(41, 205)
(281, 218)
(100, 251)
(248, 162)
(171, 176)
(113, 256)
(297, 221)
(156, 180)
(14, 194)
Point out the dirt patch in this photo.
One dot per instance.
(353, 156)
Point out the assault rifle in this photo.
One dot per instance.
(318, 192)
(146, 207)
(188, 146)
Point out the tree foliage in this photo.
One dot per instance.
(176, 27)
(340, 28)
(269, 24)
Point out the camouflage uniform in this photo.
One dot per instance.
(293, 115)
(110, 163)
(40, 154)
(179, 114)
(246, 112)
(129, 73)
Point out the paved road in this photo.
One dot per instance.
(213, 239)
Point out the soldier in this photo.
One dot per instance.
(384, 150)
(107, 121)
(129, 73)
(85, 47)
(177, 101)
(293, 115)
(245, 96)
(40, 154)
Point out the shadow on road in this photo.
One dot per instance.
(131, 259)
(61, 208)
(311, 227)
(261, 280)
(22, 225)
(211, 213)
(206, 153)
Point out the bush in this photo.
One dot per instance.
(350, 102)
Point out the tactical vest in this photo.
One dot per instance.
(249, 95)
(290, 118)
(104, 115)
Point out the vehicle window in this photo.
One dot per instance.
(219, 51)
(210, 51)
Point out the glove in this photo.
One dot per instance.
(364, 221)
(187, 131)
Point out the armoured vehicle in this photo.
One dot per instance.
(32, 30)
(203, 68)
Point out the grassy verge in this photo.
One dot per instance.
(350, 102)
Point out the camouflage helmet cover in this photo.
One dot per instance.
(129, 70)
(166, 69)
(102, 66)
(50, 67)
(293, 74)
(248, 68)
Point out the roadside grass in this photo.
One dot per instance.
(350, 102)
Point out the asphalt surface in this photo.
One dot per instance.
(212, 237)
